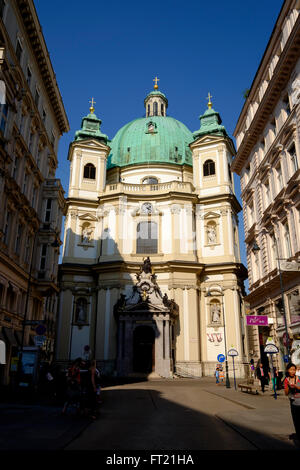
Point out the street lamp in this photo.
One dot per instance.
(255, 249)
(226, 361)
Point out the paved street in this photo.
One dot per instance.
(179, 414)
(188, 414)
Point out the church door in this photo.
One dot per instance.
(143, 349)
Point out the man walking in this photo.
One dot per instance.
(262, 373)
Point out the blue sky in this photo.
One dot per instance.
(112, 50)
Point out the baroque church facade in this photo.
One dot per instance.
(151, 278)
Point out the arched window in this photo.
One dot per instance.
(147, 237)
(162, 111)
(89, 171)
(148, 113)
(150, 180)
(209, 168)
(155, 108)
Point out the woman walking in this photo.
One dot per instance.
(292, 390)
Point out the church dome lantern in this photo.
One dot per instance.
(156, 102)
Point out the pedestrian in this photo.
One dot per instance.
(298, 371)
(262, 373)
(221, 374)
(73, 386)
(275, 378)
(292, 390)
(217, 375)
(91, 390)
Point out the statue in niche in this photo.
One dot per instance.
(81, 311)
(86, 234)
(215, 310)
(211, 234)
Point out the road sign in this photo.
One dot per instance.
(221, 358)
(271, 349)
(286, 358)
(40, 329)
(39, 340)
(232, 352)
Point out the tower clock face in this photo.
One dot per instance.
(147, 208)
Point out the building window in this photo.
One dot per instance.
(89, 171)
(267, 194)
(150, 180)
(162, 110)
(293, 156)
(286, 104)
(3, 116)
(25, 181)
(7, 228)
(288, 247)
(148, 113)
(48, 210)
(279, 177)
(43, 257)
(37, 98)
(2, 7)
(209, 168)
(33, 198)
(147, 238)
(19, 50)
(229, 173)
(15, 167)
(18, 239)
(155, 108)
(29, 76)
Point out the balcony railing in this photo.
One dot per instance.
(146, 188)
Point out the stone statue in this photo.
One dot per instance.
(215, 313)
(81, 312)
(86, 235)
(147, 268)
(211, 234)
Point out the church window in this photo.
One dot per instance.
(89, 171)
(150, 180)
(148, 113)
(147, 241)
(162, 110)
(155, 108)
(209, 168)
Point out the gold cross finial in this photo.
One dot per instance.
(92, 109)
(156, 80)
(209, 104)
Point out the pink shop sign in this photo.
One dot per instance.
(261, 320)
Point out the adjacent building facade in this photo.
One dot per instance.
(32, 119)
(151, 279)
(268, 163)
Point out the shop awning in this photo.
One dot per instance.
(9, 334)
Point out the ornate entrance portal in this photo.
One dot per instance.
(145, 322)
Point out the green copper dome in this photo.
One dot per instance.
(154, 139)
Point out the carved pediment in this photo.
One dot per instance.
(88, 217)
(211, 215)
